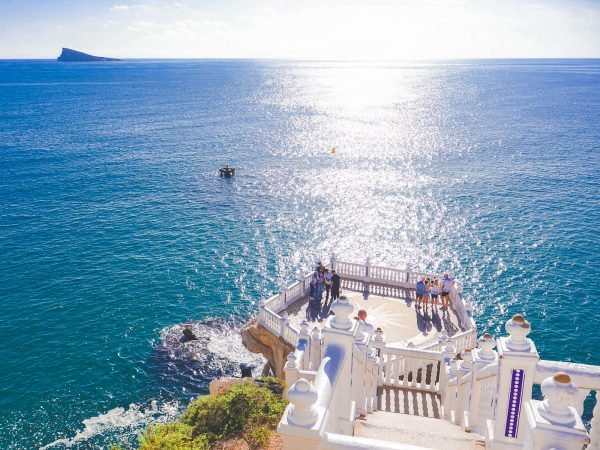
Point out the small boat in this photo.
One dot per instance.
(226, 172)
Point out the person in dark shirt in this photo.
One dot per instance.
(335, 286)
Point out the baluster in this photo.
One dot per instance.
(396, 361)
(434, 374)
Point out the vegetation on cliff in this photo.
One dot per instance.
(248, 410)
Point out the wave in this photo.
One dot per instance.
(120, 418)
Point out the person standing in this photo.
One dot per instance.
(426, 293)
(447, 284)
(435, 292)
(313, 284)
(320, 283)
(420, 288)
(328, 276)
(335, 285)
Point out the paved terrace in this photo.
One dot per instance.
(391, 308)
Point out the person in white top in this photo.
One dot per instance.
(366, 327)
(447, 284)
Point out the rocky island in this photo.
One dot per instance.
(70, 55)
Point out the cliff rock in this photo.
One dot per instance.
(258, 339)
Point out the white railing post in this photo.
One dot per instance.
(517, 360)
(300, 425)
(464, 388)
(482, 357)
(261, 310)
(332, 262)
(282, 292)
(304, 338)
(378, 343)
(359, 370)
(316, 348)
(291, 369)
(302, 281)
(284, 322)
(372, 363)
(338, 337)
(552, 423)
(367, 269)
(450, 392)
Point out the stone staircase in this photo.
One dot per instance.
(413, 417)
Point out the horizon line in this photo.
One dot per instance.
(333, 59)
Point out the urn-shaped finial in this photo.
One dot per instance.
(467, 359)
(518, 329)
(487, 344)
(342, 309)
(378, 338)
(304, 329)
(315, 335)
(302, 395)
(559, 391)
(292, 361)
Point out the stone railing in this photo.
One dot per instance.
(354, 277)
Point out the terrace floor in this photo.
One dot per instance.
(391, 308)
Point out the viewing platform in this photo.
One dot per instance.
(392, 309)
(412, 382)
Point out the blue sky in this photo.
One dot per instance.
(338, 29)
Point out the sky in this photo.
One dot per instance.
(302, 29)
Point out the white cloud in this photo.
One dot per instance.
(119, 7)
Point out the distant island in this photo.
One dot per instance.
(70, 55)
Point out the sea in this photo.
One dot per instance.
(116, 230)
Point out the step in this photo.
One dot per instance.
(417, 430)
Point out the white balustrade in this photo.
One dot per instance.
(410, 368)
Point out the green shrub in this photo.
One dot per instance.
(173, 436)
(247, 410)
(258, 437)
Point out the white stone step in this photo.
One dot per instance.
(416, 430)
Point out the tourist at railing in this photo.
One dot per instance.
(436, 289)
(335, 285)
(313, 283)
(420, 288)
(328, 276)
(447, 284)
(426, 294)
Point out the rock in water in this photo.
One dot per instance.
(189, 334)
(70, 55)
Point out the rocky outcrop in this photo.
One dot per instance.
(258, 339)
(70, 55)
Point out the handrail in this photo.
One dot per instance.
(584, 376)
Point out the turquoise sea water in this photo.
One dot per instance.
(115, 228)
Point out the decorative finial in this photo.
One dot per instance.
(302, 395)
(378, 335)
(518, 329)
(342, 310)
(292, 361)
(487, 344)
(559, 391)
(304, 328)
